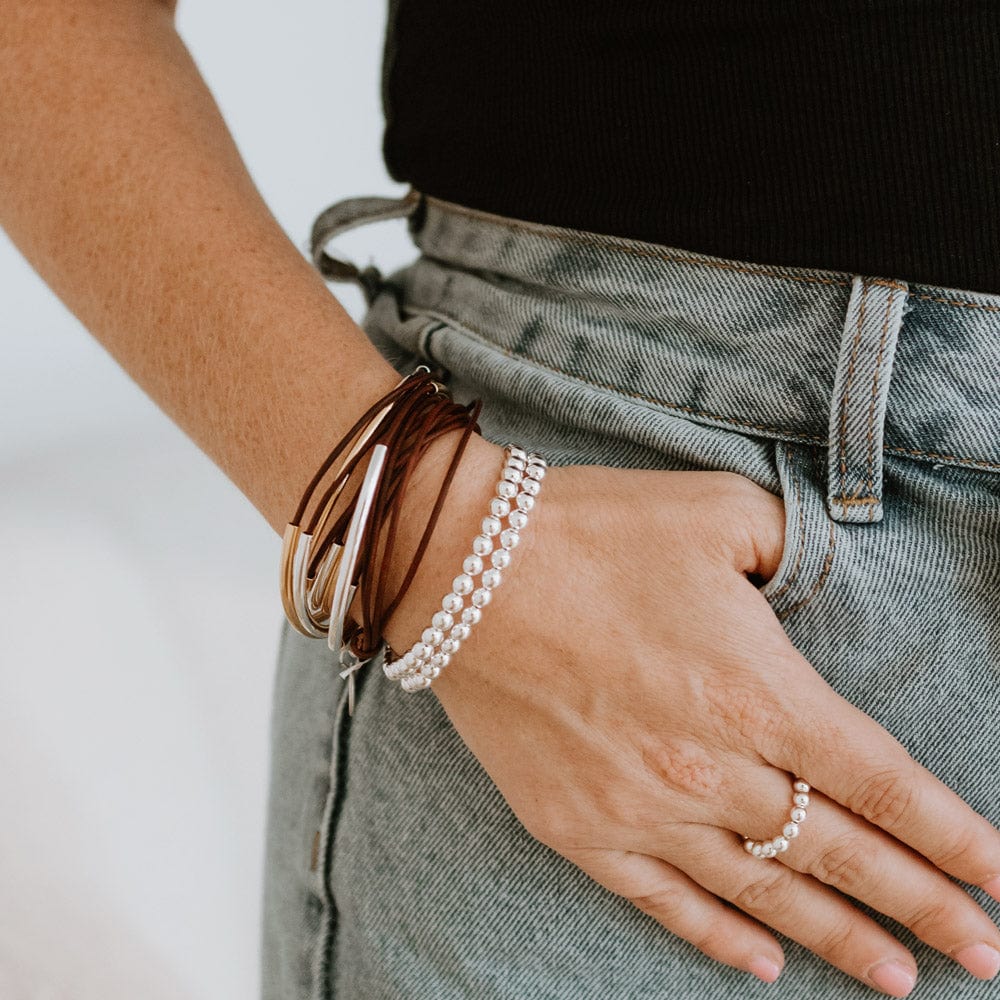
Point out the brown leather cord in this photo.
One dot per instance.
(371, 569)
(414, 413)
(419, 386)
(387, 501)
(472, 426)
(398, 397)
(389, 434)
(469, 423)
(366, 641)
(373, 579)
(416, 380)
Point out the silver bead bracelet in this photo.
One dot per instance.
(515, 495)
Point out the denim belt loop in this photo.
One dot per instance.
(861, 387)
(351, 213)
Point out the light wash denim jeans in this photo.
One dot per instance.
(871, 405)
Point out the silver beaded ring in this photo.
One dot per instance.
(515, 494)
(776, 845)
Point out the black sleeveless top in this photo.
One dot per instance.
(856, 135)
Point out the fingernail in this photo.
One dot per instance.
(992, 886)
(980, 959)
(893, 977)
(764, 968)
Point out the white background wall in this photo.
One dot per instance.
(139, 610)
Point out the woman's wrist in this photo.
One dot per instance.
(459, 520)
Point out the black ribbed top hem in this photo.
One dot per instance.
(860, 135)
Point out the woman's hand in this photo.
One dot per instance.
(635, 699)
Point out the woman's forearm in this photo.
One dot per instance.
(121, 184)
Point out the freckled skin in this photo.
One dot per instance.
(640, 759)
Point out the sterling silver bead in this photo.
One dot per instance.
(432, 636)
(452, 603)
(492, 525)
(482, 545)
(515, 491)
(442, 620)
(797, 815)
(500, 558)
(509, 538)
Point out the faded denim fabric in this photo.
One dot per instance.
(395, 868)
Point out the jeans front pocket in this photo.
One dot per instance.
(810, 536)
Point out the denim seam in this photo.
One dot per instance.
(802, 529)
(900, 450)
(879, 362)
(846, 394)
(779, 432)
(820, 580)
(824, 574)
(959, 302)
(339, 737)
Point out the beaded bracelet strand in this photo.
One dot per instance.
(514, 497)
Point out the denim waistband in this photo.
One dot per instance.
(860, 365)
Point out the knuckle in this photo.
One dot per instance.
(842, 864)
(710, 941)
(886, 798)
(957, 845)
(683, 766)
(758, 511)
(765, 896)
(546, 828)
(746, 711)
(835, 942)
(666, 905)
(930, 916)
